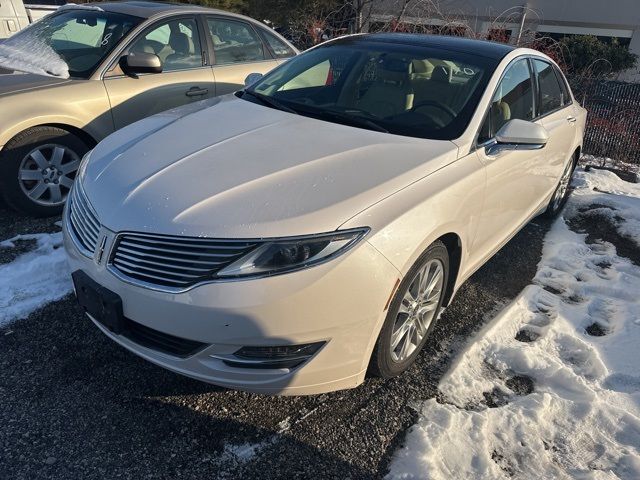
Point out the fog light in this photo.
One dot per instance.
(282, 356)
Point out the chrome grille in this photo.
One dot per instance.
(84, 222)
(176, 262)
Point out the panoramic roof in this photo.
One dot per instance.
(477, 47)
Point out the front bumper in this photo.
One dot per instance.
(341, 303)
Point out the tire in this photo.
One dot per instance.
(387, 360)
(562, 191)
(37, 169)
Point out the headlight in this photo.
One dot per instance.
(288, 254)
(83, 166)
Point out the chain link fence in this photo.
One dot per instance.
(613, 122)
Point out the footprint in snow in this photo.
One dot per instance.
(602, 312)
(619, 382)
(580, 357)
(517, 385)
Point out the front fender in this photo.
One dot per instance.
(448, 201)
(79, 104)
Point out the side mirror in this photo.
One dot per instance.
(252, 78)
(135, 63)
(519, 135)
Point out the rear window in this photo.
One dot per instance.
(277, 46)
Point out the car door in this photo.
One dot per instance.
(186, 76)
(555, 113)
(514, 180)
(238, 50)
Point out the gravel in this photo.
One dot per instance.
(75, 405)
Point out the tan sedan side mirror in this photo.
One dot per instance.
(518, 135)
(136, 63)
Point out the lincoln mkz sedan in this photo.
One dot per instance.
(87, 70)
(308, 229)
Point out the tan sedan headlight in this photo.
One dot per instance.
(294, 253)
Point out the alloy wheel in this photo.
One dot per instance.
(46, 174)
(563, 187)
(417, 310)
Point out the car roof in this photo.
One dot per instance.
(483, 48)
(145, 9)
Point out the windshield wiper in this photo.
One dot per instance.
(355, 120)
(268, 101)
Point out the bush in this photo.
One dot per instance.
(586, 54)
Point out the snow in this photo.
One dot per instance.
(33, 279)
(27, 52)
(606, 162)
(76, 6)
(557, 403)
(245, 452)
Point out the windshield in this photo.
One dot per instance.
(401, 89)
(71, 43)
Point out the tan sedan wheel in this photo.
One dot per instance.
(412, 313)
(37, 169)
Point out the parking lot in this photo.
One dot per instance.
(75, 405)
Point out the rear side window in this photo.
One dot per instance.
(234, 42)
(550, 92)
(513, 100)
(566, 96)
(277, 46)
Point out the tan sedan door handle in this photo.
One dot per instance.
(571, 119)
(196, 92)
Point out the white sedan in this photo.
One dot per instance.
(308, 229)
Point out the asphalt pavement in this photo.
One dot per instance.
(74, 405)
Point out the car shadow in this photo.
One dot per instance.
(75, 405)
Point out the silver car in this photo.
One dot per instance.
(93, 69)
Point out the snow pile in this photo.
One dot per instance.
(27, 52)
(621, 206)
(551, 387)
(632, 169)
(34, 278)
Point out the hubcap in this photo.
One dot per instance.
(46, 174)
(563, 187)
(417, 310)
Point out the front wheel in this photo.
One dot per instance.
(412, 313)
(561, 194)
(37, 169)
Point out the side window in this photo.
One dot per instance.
(234, 42)
(513, 100)
(176, 42)
(278, 47)
(550, 94)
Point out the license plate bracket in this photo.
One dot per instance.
(101, 303)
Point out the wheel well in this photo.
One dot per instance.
(454, 248)
(577, 154)
(88, 140)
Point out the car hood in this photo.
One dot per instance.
(11, 83)
(233, 169)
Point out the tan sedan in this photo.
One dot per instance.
(94, 69)
(315, 234)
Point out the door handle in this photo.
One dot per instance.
(571, 119)
(196, 92)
